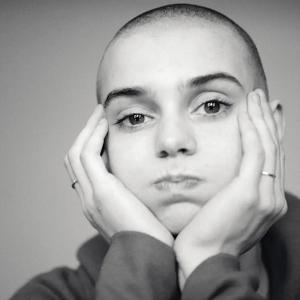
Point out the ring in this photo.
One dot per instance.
(268, 174)
(74, 183)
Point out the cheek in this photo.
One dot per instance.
(223, 153)
(127, 154)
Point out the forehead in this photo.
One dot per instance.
(165, 57)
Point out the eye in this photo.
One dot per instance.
(213, 108)
(134, 120)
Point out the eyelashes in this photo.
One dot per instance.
(213, 108)
(210, 110)
(134, 120)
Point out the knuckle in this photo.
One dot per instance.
(266, 208)
(88, 209)
(73, 154)
(84, 155)
(284, 210)
(86, 212)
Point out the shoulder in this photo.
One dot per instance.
(67, 283)
(59, 283)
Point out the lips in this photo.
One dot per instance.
(171, 182)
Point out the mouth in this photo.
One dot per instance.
(171, 182)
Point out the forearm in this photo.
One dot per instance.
(220, 278)
(138, 266)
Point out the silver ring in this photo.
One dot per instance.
(268, 174)
(74, 183)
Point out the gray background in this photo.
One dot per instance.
(48, 62)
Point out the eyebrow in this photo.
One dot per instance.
(127, 92)
(201, 80)
(192, 83)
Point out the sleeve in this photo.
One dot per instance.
(138, 266)
(220, 278)
(59, 284)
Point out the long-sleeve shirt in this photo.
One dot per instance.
(137, 266)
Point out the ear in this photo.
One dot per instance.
(278, 115)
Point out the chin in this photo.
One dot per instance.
(176, 216)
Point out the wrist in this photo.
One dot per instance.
(164, 237)
(189, 258)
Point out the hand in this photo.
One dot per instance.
(106, 202)
(238, 216)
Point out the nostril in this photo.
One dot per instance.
(163, 154)
(178, 143)
(183, 150)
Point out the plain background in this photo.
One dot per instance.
(49, 55)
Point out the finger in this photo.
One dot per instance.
(78, 189)
(267, 198)
(76, 149)
(72, 176)
(90, 155)
(253, 154)
(282, 165)
(86, 132)
(271, 125)
(257, 117)
(268, 115)
(279, 119)
(93, 120)
(280, 201)
(281, 204)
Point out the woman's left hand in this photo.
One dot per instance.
(239, 216)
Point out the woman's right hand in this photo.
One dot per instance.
(106, 202)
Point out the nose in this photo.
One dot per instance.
(175, 137)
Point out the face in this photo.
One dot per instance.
(172, 98)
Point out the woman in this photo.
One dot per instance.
(190, 177)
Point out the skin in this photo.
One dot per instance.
(213, 144)
(232, 205)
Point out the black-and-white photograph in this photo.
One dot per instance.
(150, 150)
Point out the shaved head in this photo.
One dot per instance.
(166, 17)
(172, 83)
